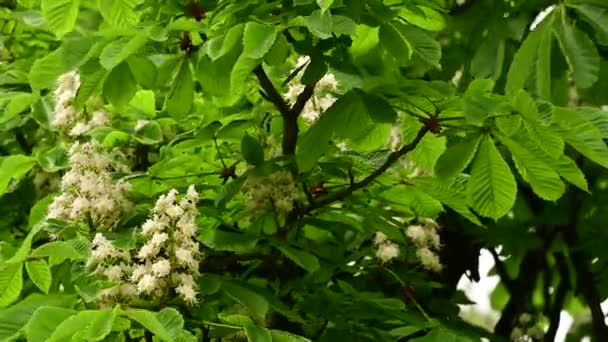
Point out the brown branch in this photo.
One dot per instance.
(289, 114)
(560, 296)
(271, 91)
(390, 160)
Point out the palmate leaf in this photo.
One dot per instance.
(87, 325)
(545, 181)
(11, 282)
(580, 133)
(580, 52)
(597, 17)
(457, 156)
(44, 321)
(40, 274)
(522, 63)
(60, 15)
(119, 13)
(167, 324)
(492, 187)
(561, 163)
(403, 41)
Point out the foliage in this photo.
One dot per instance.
(352, 158)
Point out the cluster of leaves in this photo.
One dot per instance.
(492, 130)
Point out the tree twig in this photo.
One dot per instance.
(502, 272)
(390, 160)
(560, 296)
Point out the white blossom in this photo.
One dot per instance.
(387, 251)
(88, 193)
(114, 273)
(161, 267)
(429, 259)
(323, 95)
(147, 283)
(187, 292)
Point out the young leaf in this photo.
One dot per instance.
(179, 99)
(256, 302)
(522, 63)
(11, 282)
(456, 158)
(258, 39)
(119, 50)
(44, 321)
(256, 333)
(57, 252)
(302, 258)
(87, 325)
(120, 86)
(60, 15)
(252, 150)
(45, 71)
(14, 167)
(582, 135)
(167, 324)
(492, 187)
(580, 52)
(119, 13)
(545, 181)
(40, 274)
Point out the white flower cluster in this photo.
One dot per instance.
(114, 264)
(168, 259)
(276, 192)
(87, 190)
(527, 330)
(66, 116)
(427, 242)
(323, 97)
(386, 249)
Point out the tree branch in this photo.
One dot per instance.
(289, 114)
(560, 296)
(271, 92)
(390, 160)
(502, 272)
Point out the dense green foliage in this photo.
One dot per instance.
(352, 158)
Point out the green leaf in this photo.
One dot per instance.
(580, 52)
(14, 318)
(228, 241)
(119, 13)
(582, 135)
(456, 158)
(150, 133)
(284, 336)
(57, 252)
(116, 52)
(395, 42)
(491, 188)
(144, 101)
(524, 59)
(167, 324)
(442, 335)
(11, 282)
(87, 325)
(44, 321)
(597, 17)
(144, 71)
(258, 39)
(450, 193)
(179, 100)
(302, 258)
(543, 64)
(545, 181)
(46, 70)
(252, 150)
(228, 191)
(254, 301)
(325, 4)
(19, 103)
(489, 58)
(40, 274)
(256, 333)
(120, 86)
(403, 40)
(14, 167)
(60, 15)
(424, 17)
(92, 77)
